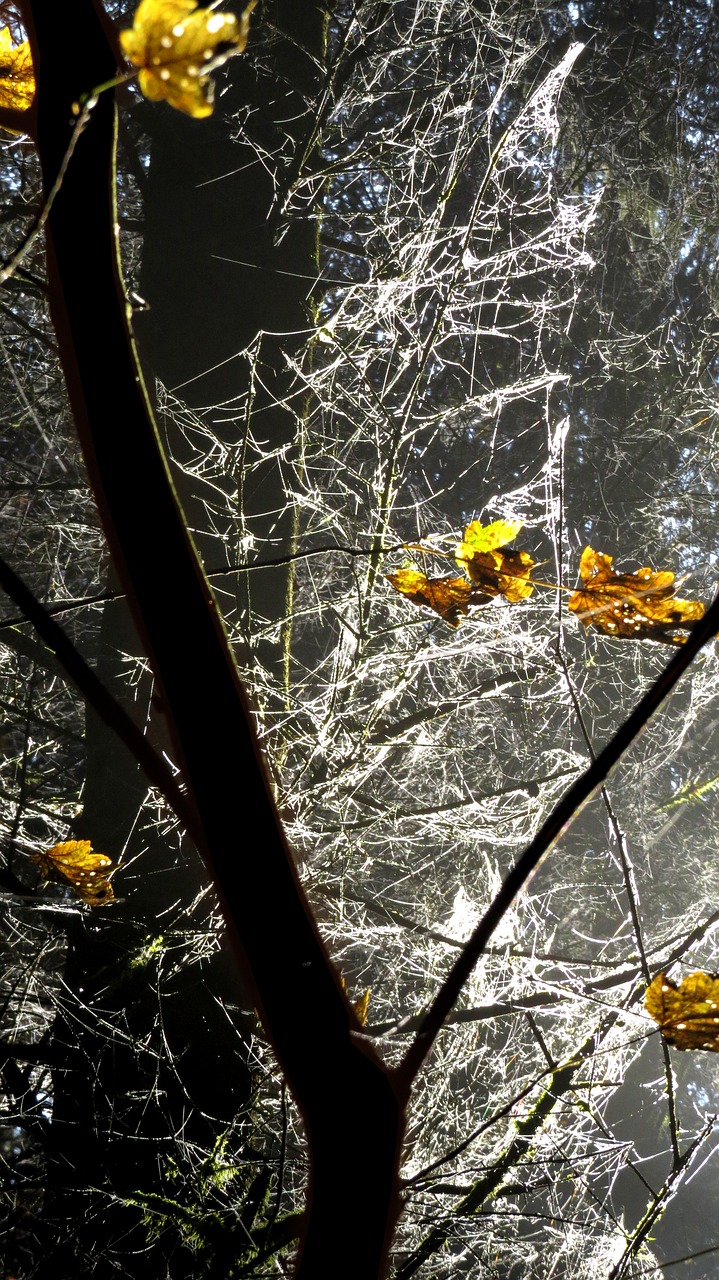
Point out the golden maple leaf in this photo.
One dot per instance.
(176, 46)
(361, 1006)
(634, 606)
(449, 597)
(17, 79)
(496, 572)
(688, 1015)
(88, 873)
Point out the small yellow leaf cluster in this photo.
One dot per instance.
(176, 46)
(490, 572)
(688, 1015)
(88, 873)
(17, 79)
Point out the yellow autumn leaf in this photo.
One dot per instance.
(688, 1015)
(449, 597)
(87, 872)
(176, 46)
(496, 572)
(17, 80)
(633, 606)
(479, 538)
(361, 1006)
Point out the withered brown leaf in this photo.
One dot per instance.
(449, 597)
(688, 1015)
(633, 606)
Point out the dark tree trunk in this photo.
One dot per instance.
(335, 1076)
(207, 198)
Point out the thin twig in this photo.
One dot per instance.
(11, 266)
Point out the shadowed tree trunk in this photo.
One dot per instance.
(207, 197)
